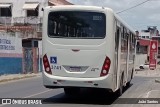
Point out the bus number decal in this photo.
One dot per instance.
(56, 67)
(97, 17)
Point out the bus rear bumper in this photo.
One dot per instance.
(50, 81)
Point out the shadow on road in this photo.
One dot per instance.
(86, 96)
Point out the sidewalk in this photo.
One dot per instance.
(148, 72)
(11, 77)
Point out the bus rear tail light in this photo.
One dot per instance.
(106, 66)
(46, 65)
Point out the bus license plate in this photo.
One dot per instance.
(75, 69)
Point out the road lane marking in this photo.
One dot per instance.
(38, 93)
(30, 96)
(148, 93)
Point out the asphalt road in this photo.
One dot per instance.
(141, 87)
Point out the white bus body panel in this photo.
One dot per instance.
(101, 82)
(88, 57)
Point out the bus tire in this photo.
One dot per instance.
(120, 90)
(132, 75)
(71, 91)
(129, 83)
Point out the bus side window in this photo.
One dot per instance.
(117, 38)
(122, 40)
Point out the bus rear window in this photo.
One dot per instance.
(77, 24)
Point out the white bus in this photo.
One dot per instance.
(86, 47)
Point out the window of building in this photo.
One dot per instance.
(32, 12)
(143, 36)
(5, 10)
(32, 9)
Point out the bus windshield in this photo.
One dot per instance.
(76, 24)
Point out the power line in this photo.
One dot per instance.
(133, 7)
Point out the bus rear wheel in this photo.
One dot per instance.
(129, 83)
(72, 91)
(120, 90)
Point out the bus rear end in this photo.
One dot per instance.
(74, 48)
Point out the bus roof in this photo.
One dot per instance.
(81, 7)
(125, 24)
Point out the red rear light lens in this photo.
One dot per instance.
(46, 65)
(45, 58)
(106, 66)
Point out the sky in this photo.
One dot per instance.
(139, 18)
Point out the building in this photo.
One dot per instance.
(144, 34)
(143, 40)
(23, 19)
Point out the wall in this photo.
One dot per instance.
(140, 59)
(10, 55)
(40, 56)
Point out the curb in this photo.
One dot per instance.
(18, 78)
